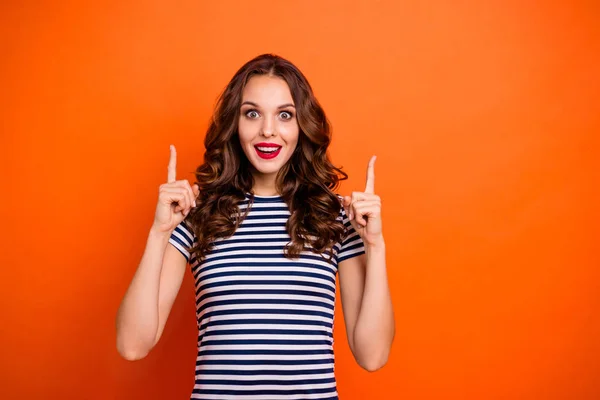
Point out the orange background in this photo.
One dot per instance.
(485, 118)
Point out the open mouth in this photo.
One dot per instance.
(267, 151)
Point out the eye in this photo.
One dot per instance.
(252, 114)
(286, 115)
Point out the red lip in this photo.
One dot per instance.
(265, 155)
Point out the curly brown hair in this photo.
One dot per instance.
(306, 182)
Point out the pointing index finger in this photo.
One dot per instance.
(370, 187)
(171, 170)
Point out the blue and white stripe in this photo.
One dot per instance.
(265, 322)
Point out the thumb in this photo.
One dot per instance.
(196, 190)
(347, 201)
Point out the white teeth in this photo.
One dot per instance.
(268, 149)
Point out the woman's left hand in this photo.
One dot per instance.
(364, 210)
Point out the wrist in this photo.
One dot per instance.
(376, 245)
(158, 234)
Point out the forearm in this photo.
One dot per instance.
(375, 327)
(138, 316)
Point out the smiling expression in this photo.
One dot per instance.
(268, 128)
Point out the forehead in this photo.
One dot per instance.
(264, 89)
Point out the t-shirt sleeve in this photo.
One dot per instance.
(352, 245)
(183, 239)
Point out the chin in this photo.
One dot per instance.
(267, 167)
(263, 169)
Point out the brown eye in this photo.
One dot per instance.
(285, 115)
(252, 114)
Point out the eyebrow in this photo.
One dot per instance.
(250, 103)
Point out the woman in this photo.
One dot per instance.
(265, 236)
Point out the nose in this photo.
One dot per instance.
(268, 127)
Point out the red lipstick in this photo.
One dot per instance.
(267, 151)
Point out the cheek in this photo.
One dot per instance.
(289, 133)
(244, 132)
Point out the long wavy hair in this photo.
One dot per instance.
(306, 182)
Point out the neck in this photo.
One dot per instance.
(264, 185)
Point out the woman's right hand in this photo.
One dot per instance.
(175, 199)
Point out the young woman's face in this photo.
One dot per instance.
(268, 128)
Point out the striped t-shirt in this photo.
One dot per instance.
(265, 322)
